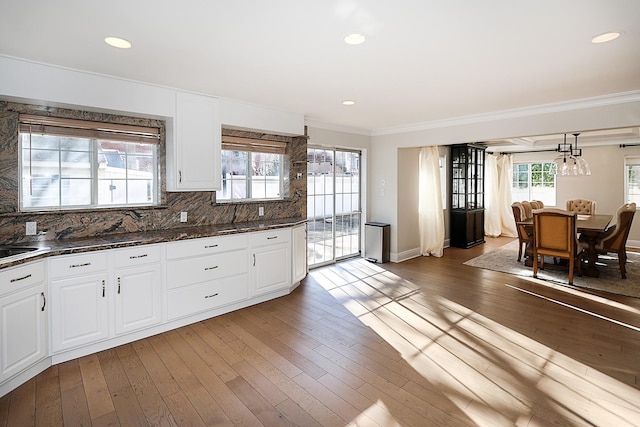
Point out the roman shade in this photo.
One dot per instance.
(236, 143)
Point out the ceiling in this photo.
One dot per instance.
(423, 61)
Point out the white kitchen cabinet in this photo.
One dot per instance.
(79, 300)
(23, 319)
(138, 293)
(299, 247)
(193, 151)
(270, 260)
(204, 274)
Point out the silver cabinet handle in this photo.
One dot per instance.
(210, 268)
(79, 265)
(44, 301)
(17, 279)
(138, 256)
(179, 176)
(254, 260)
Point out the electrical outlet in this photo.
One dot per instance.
(261, 211)
(31, 228)
(183, 217)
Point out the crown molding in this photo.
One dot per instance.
(596, 101)
(337, 128)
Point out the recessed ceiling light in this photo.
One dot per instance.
(606, 37)
(117, 42)
(355, 38)
(348, 102)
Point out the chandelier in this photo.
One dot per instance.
(570, 160)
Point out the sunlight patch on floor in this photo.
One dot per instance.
(483, 367)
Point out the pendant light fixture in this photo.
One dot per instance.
(570, 160)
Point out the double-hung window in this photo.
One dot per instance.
(632, 179)
(534, 181)
(78, 164)
(252, 169)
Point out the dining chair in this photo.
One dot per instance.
(615, 238)
(524, 233)
(536, 204)
(527, 210)
(555, 235)
(582, 206)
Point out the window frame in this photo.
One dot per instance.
(251, 147)
(94, 133)
(631, 162)
(530, 180)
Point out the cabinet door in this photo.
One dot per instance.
(79, 311)
(22, 330)
(271, 268)
(137, 298)
(299, 253)
(193, 158)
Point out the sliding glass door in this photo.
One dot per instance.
(333, 204)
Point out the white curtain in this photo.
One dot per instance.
(492, 220)
(505, 176)
(430, 215)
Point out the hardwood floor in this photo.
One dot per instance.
(424, 342)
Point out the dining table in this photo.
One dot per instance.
(591, 229)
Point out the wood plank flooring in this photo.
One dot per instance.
(425, 342)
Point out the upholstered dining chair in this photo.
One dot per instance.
(527, 210)
(582, 206)
(536, 204)
(615, 238)
(524, 233)
(555, 235)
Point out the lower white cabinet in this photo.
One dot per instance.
(138, 288)
(299, 247)
(204, 274)
(79, 301)
(271, 260)
(23, 318)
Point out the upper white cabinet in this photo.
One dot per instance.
(193, 148)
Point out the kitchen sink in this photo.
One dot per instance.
(8, 251)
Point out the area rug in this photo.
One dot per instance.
(505, 259)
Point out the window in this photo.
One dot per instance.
(534, 181)
(632, 180)
(252, 169)
(76, 164)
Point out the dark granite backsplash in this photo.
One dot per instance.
(201, 206)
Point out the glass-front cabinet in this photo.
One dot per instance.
(467, 195)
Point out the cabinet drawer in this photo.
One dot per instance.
(72, 265)
(206, 296)
(137, 255)
(205, 246)
(205, 268)
(271, 237)
(17, 278)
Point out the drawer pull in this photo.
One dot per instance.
(210, 246)
(138, 256)
(17, 279)
(79, 265)
(44, 301)
(211, 296)
(272, 237)
(210, 268)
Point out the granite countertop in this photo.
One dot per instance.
(121, 240)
